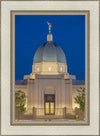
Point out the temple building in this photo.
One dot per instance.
(49, 88)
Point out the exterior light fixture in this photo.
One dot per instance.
(49, 68)
(37, 68)
(60, 68)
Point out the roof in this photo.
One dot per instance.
(21, 82)
(49, 52)
(78, 82)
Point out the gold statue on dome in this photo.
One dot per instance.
(49, 27)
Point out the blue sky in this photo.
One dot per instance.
(68, 32)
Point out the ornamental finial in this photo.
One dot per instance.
(49, 27)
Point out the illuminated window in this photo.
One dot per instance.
(60, 68)
(38, 69)
(49, 68)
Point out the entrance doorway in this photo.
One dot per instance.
(49, 104)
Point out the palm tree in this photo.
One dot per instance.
(80, 98)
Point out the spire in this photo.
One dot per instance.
(49, 36)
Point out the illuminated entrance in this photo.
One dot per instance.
(49, 104)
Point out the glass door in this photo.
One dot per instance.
(47, 108)
(49, 104)
(52, 108)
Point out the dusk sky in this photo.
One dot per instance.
(68, 32)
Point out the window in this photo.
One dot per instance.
(49, 68)
(38, 69)
(60, 68)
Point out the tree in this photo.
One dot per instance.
(20, 100)
(80, 98)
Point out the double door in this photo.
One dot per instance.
(49, 104)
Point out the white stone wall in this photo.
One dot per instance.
(49, 84)
(68, 94)
(30, 97)
(49, 68)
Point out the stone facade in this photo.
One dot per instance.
(48, 84)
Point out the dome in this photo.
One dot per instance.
(49, 52)
(53, 58)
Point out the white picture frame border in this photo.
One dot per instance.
(12, 61)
